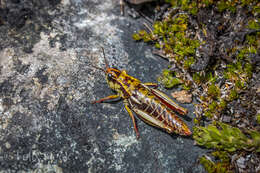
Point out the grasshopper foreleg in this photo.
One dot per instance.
(133, 119)
(106, 98)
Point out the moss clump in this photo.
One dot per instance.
(254, 24)
(143, 35)
(213, 91)
(223, 165)
(239, 74)
(233, 95)
(222, 5)
(197, 77)
(226, 138)
(222, 104)
(168, 80)
(188, 62)
(186, 87)
(170, 36)
(208, 114)
(213, 106)
(226, 5)
(190, 6)
(258, 118)
(240, 84)
(236, 71)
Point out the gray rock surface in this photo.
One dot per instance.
(47, 121)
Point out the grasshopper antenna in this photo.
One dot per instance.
(107, 66)
(98, 68)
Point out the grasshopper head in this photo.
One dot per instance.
(112, 75)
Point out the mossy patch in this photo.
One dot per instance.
(220, 166)
(258, 118)
(168, 80)
(222, 136)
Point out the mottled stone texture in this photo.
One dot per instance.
(47, 121)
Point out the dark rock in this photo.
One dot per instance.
(6, 88)
(43, 78)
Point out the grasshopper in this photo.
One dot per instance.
(151, 105)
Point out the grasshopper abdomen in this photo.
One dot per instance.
(153, 111)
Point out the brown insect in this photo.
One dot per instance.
(151, 105)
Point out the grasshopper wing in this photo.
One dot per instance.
(167, 101)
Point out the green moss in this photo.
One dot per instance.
(195, 121)
(211, 78)
(233, 95)
(213, 91)
(248, 69)
(258, 118)
(203, 98)
(256, 9)
(239, 84)
(238, 73)
(222, 155)
(208, 114)
(219, 167)
(247, 50)
(213, 105)
(254, 24)
(168, 80)
(187, 63)
(143, 35)
(190, 6)
(208, 164)
(226, 5)
(247, 2)
(193, 7)
(197, 77)
(222, 104)
(170, 36)
(251, 39)
(186, 87)
(226, 138)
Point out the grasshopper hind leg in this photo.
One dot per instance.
(133, 118)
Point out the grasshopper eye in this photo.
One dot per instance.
(109, 76)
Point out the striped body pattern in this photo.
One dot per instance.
(151, 105)
(153, 111)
